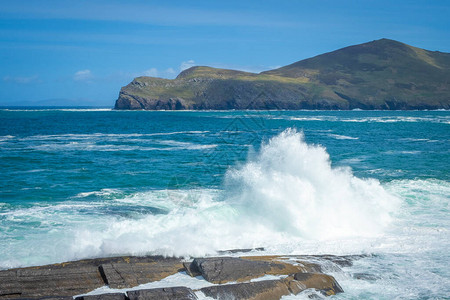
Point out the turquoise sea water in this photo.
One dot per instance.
(78, 183)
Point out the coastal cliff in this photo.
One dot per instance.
(382, 74)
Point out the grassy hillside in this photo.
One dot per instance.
(382, 74)
(379, 71)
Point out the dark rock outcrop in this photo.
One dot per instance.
(275, 289)
(111, 296)
(321, 282)
(341, 261)
(54, 280)
(365, 276)
(62, 281)
(225, 269)
(261, 290)
(78, 277)
(130, 273)
(173, 293)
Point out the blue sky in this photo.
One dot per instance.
(77, 52)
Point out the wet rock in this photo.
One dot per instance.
(291, 264)
(111, 296)
(52, 280)
(62, 281)
(341, 261)
(56, 298)
(365, 276)
(131, 272)
(173, 293)
(223, 252)
(80, 277)
(191, 269)
(261, 290)
(226, 269)
(321, 282)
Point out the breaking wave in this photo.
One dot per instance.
(292, 186)
(282, 197)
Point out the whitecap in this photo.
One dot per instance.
(284, 196)
(342, 137)
(407, 152)
(101, 193)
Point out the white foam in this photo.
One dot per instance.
(105, 136)
(342, 137)
(285, 196)
(168, 145)
(316, 118)
(292, 186)
(176, 145)
(101, 193)
(305, 295)
(352, 161)
(6, 137)
(383, 119)
(109, 142)
(414, 140)
(402, 152)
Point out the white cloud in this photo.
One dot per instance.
(244, 68)
(171, 71)
(187, 64)
(83, 75)
(153, 72)
(22, 80)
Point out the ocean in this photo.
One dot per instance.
(84, 183)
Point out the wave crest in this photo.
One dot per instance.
(293, 187)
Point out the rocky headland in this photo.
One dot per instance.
(382, 74)
(226, 277)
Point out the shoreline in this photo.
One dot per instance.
(151, 277)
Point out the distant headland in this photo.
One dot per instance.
(382, 74)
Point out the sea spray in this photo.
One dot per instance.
(287, 192)
(292, 187)
(284, 195)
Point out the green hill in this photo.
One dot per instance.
(383, 74)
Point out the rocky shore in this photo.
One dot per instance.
(226, 277)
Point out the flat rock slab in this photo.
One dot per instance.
(62, 281)
(226, 269)
(341, 261)
(131, 273)
(274, 289)
(111, 296)
(261, 290)
(80, 277)
(173, 293)
(53, 298)
(53, 280)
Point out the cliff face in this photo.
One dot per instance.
(382, 74)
